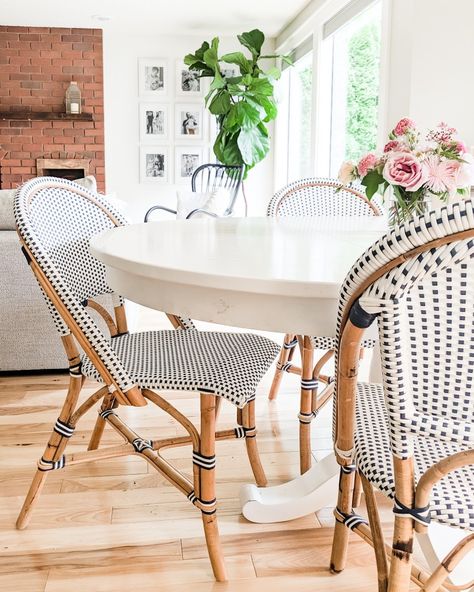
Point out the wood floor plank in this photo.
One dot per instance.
(24, 581)
(155, 576)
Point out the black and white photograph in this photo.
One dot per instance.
(187, 81)
(152, 77)
(154, 122)
(154, 164)
(229, 70)
(189, 121)
(187, 159)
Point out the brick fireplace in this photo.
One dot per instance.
(36, 66)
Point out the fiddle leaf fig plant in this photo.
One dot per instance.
(243, 102)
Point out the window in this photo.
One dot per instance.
(350, 89)
(294, 134)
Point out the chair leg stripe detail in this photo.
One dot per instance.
(241, 432)
(286, 367)
(306, 417)
(140, 444)
(348, 469)
(63, 429)
(309, 384)
(420, 515)
(349, 520)
(106, 413)
(206, 506)
(51, 465)
(205, 462)
(75, 370)
(290, 344)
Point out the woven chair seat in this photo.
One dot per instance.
(452, 500)
(331, 342)
(227, 364)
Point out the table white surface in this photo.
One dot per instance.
(280, 275)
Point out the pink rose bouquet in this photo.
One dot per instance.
(412, 169)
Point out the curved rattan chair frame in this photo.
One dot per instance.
(290, 190)
(201, 489)
(311, 401)
(393, 575)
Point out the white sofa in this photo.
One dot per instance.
(28, 337)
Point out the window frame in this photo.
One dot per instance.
(311, 22)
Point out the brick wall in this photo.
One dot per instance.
(36, 66)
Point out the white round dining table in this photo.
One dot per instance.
(272, 274)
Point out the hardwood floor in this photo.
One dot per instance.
(118, 525)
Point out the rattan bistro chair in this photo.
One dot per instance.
(412, 438)
(56, 219)
(208, 178)
(314, 197)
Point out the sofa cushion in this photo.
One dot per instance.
(7, 219)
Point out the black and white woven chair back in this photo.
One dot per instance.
(210, 177)
(318, 197)
(424, 307)
(55, 220)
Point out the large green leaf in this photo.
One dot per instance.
(220, 104)
(253, 145)
(261, 86)
(210, 56)
(371, 182)
(198, 55)
(237, 57)
(274, 73)
(226, 148)
(242, 115)
(218, 81)
(267, 104)
(253, 41)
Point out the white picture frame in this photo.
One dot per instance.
(152, 77)
(187, 82)
(153, 122)
(154, 164)
(186, 161)
(189, 121)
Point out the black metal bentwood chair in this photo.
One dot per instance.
(209, 178)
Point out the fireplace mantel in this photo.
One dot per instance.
(44, 116)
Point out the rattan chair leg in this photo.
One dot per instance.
(402, 547)
(286, 353)
(258, 471)
(53, 452)
(340, 541)
(100, 422)
(357, 497)
(376, 531)
(205, 487)
(306, 405)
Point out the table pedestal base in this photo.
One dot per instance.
(307, 493)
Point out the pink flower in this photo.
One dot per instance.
(366, 164)
(404, 169)
(465, 173)
(440, 174)
(347, 172)
(460, 147)
(394, 145)
(403, 126)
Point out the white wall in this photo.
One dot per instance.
(121, 55)
(431, 73)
